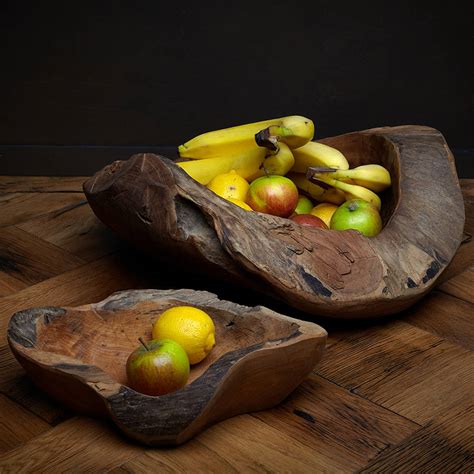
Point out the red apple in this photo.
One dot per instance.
(158, 367)
(309, 220)
(273, 194)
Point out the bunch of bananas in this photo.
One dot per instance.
(283, 146)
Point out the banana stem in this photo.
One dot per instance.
(313, 174)
(319, 169)
(268, 137)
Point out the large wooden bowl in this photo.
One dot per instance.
(152, 203)
(78, 356)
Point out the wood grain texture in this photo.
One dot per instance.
(426, 385)
(448, 317)
(336, 274)
(446, 444)
(19, 207)
(30, 260)
(78, 356)
(389, 396)
(376, 352)
(41, 184)
(461, 286)
(240, 444)
(76, 230)
(321, 415)
(19, 388)
(9, 284)
(77, 445)
(17, 425)
(405, 369)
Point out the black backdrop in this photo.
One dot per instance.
(145, 74)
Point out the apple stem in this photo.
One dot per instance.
(352, 206)
(143, 343)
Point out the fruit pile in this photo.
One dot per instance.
(182, 336)
(275, 168)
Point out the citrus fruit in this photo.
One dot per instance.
(229, 185)
(324, 211)
(241, 204)
(190, 327)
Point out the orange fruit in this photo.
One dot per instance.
(229, 186)
(324, 211)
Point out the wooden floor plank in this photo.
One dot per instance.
(192, 457)
(41, 184)
(76, 230)
(426, 385)
(19, 207)
(446, 316)
(240, 444)
(405, 369)
(17, 425)
(375, 352)
(77, 445)
(344, 429)
(461, 286)
(20, 389)
(29, 259)
(446, 444)
(9, 284)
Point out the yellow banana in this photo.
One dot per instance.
(241, 138)
(374, 177)
(317, 192)
(333, 195)
(318, 154)
(295, 131)
(247, 165)
(279, 162)
(352, 191)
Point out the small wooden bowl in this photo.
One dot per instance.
(78, 356)
(155, 205)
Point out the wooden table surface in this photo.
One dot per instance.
(392, 396)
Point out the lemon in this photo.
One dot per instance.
(190, 327)
(324, 211)
(229, 186)
(241, 204)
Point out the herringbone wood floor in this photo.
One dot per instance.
(391, 396)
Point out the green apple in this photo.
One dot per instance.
(304, 205)
(273, 194)
(359, 215)
(158, 367)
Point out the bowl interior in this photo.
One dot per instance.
(360, 149)
(105, 338)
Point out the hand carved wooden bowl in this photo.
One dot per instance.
(78, 356)
(156, 206)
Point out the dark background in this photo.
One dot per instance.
(84, 83)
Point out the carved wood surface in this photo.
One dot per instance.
(78, 356)
(151, 202)
(393, 394)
